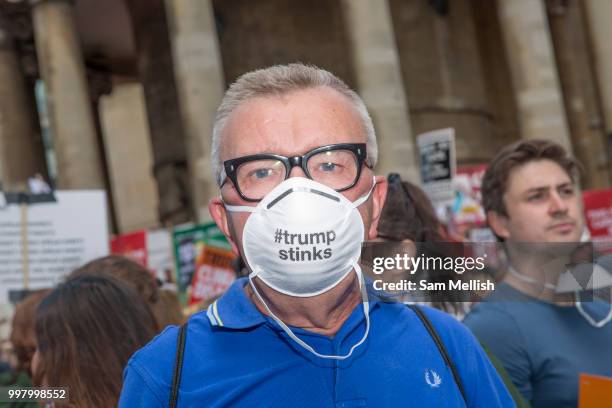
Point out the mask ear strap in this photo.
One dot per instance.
(366, 311)
(597, 324)
(530, 280)
(364, 197)
(239, 208)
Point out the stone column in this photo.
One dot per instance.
(156, 71)
(582, 105)
(128, 151)
(533, 70)
(17, 159)
(61, 66)
(379, 81)
(458, 77)
(598, 14)
(200, 85)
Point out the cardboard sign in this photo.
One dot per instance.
(61, 236)
(598, 214)
(594, 391)
(438, 164)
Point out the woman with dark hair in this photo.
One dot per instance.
(131, 273)
(86, 330)
(408, 216)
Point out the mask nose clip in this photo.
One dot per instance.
(280, 197)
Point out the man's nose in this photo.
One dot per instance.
(557, 203)
(297, 171)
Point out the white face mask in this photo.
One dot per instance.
(303, 239)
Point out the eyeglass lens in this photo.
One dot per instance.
(336, 169)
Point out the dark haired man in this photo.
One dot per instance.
(544, 339)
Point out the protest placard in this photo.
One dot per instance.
(150, 248)
(61, 236)
(132, 245)
(438, 164)
(214, 273)
(192, 251)
(598, 214)
(467, 206)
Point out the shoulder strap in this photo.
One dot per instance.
(436, 338)
(178, 365)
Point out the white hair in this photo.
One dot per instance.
(280, 80)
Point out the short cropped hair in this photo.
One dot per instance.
(495, 181)
(281, 80)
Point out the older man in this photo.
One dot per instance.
(293, 152)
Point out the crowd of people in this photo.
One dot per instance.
(294, 151)
(81, 334)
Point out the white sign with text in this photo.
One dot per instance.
(438, 165)
(62, 235)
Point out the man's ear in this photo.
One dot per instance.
(498, 223)
(220, 216)
(379, 196)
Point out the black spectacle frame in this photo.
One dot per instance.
(231, 166)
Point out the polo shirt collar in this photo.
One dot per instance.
(234, 310)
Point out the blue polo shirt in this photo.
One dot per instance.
(543, 347)
(237, 357)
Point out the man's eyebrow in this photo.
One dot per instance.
(536, 189)
(545, 188)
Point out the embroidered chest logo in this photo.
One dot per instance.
(432, 378)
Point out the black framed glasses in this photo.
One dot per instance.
(337, 166)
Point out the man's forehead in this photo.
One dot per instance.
(292, 123)
(538, 174)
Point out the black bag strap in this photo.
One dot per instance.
(178, 365)
(180, 351)
(436, 338)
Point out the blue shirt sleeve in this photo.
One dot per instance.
(483, 386)
(500, 333)
(137, 392)
(148, 375)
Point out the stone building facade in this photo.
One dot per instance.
(121, 94)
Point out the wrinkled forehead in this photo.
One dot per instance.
(291, 123)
